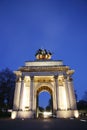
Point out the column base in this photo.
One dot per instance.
(67, 114)
(22, 114)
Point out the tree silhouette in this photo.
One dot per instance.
(49, 106)
(85, 96)
(7, 85)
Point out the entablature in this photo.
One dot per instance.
(43, 68)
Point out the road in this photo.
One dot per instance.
(43, 124)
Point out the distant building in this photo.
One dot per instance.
(44, 74)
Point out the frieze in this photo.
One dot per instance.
(43, 69)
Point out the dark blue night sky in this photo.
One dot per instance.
(57, 25)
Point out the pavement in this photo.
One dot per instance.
(43, 124)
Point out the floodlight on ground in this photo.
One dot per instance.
(47, 114)
(13, 115)
(76, 114)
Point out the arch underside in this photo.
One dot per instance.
(44, 88)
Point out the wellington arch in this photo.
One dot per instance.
(44, 74)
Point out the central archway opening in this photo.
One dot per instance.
(44, 102)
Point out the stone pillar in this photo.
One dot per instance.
(65, 84)
(71, 94)
(31, 93)
(26, 94)
(34, 99)
(17, 93)
(62, 99)
(56, 92)
(21, 107)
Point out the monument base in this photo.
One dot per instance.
(67, 114)
(22, 114)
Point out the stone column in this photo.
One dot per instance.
(60, 96)
(65, 84)
(22, 95)
(17, 93)
(56, 92)
(71, 94)
(62, 100)
(26, 94)
(31, 93)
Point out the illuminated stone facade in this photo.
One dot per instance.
(44, 75)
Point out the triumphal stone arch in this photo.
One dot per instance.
(44, 74)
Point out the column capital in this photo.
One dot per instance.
(69, 78)
(65, 76)
(22, 77)
(18, 78)
(55, 76)
(31, 77)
